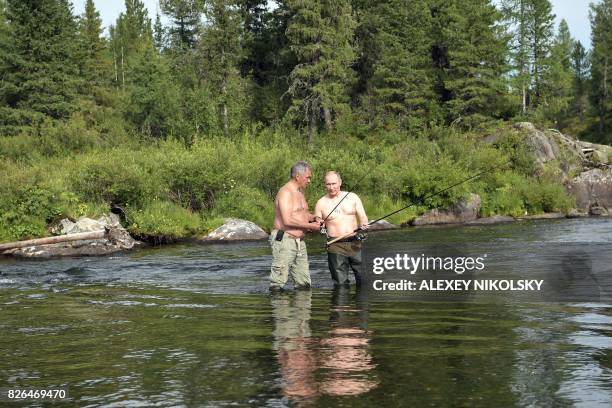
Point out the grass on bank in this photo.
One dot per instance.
(173, 191)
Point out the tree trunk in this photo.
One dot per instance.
(122, 70)
(328, 118)
(54, 240)
(312, 127)
(602, 102)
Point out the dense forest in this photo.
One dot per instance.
(200, 117)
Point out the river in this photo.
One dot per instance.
(193, 325)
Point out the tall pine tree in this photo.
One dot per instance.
(96, 63)
(601, 66)
(221, 52)
(558, 81)
(531, 25)
(396, 44)
(580, 69)
(470, 60)
(40, 75)
(320, 34)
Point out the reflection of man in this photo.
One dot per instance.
(295, 348)
(340, 220)
(345, 352)
(291, 221)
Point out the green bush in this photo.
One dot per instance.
(247, 203)
(164, 220)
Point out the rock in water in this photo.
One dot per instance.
(118, 239)
(464, 210)
(235, 229)
(593, 191)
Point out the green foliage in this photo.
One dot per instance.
(40, 64)
(320, 35)
(399, 55)
(163, 220)
(601, 67)
(245, 202)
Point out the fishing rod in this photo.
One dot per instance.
(419, 201)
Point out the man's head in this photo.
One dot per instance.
(333, 182)
(301, 173)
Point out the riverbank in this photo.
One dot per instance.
(168, 191)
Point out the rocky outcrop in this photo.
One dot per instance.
(585, 168)
(115, 240)
(382, 225)
(495, 219)
(546, 216)
(593, 191)
(235, 229)
(465, 210)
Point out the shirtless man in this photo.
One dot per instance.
(291, 221)
(345, 253)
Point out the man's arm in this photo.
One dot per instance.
(361, 214)
(290, 220)
(318, 213)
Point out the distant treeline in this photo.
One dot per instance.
(221, 67)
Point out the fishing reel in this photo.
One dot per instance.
(361, 236)
(322, 229)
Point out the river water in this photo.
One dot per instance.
(192, 325)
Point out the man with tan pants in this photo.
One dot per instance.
(291, 221)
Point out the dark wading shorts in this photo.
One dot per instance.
(289, 256)
(342, 256)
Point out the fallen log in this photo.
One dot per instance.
(54, 240)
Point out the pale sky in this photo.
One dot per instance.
(575, 12)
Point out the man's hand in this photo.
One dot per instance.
(313, 226)
(364, 227)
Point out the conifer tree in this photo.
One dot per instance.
(580, 70)
(159, 34)
(220, 52)
(185, 15)
(601, 66)
(130, 37)
(531, 25)
(96, 65)
(541, 35)
(469, 59)
(399, 55)
(320, 34)
(558, 82)
(40, 75)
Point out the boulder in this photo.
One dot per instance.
(574, 213)
(545, 216)
(382, 225)
(84, 224)
(593, 190)
(235, 229)
(465, 210)
(495, 219)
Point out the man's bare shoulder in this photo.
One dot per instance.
(322, 200)
(284, 192)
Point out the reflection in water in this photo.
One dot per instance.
(337, 364)
(291, 341)
(345, 353)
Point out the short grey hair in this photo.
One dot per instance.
(299, 168)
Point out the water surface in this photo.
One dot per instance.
(193, 325)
